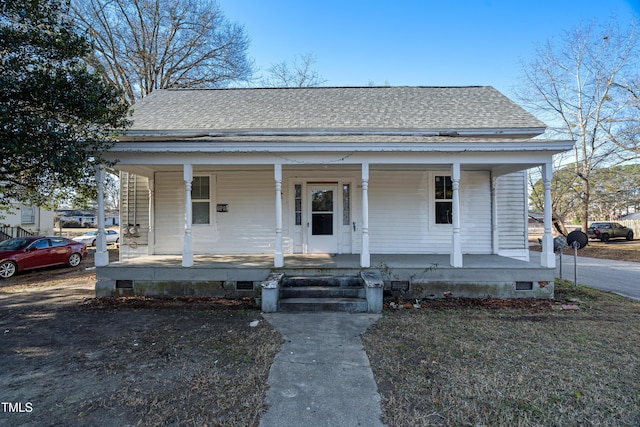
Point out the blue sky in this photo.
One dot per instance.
(414, 42)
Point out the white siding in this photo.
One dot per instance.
(247, 227)
(511, 202)
(401, 210)
(134, 208)
(475, 206)
(169, 212)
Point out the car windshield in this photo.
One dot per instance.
(13, 244)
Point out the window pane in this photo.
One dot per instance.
(322, 200)
(346, 208)
(444, 188)
(200, 187)
(200, 212)
(298, 203)
(28, 214)
(322, 224)
(444, 212)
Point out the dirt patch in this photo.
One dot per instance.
(71, 359)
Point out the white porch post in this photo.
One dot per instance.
(278, 257)
(548, 258)
(151, 239)
(456, 252)
(365, 256)
(495, 236)
(102, 254)
(187, 250)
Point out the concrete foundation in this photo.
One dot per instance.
(403, 276)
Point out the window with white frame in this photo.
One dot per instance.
(443, 200)
(298, 204)
(201, 200)
(28, 215)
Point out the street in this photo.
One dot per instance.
(620, 277)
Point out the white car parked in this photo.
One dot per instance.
(89, 238)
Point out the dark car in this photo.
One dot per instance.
(609, 230)
(26, 253)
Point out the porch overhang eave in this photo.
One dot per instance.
(488, 146)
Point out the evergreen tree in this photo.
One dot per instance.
(57, 116)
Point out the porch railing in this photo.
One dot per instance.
(7, 232)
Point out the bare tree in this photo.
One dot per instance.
(629, 138)
(143, 45)
(298, 73)
(572, 85)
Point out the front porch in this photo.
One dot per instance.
(405, 275)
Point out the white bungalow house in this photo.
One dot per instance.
(227, 189)
(19, 220)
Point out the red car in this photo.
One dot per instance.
(26, 253)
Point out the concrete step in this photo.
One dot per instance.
(307, 281)
(350, 305)
(323, 292)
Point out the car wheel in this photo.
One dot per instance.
(605, 237)
(8, 269)
(74, 260)
(630, 235)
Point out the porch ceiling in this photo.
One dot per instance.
(496, 169)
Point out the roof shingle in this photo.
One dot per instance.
(330, 109)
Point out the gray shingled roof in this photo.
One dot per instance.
(330, 109)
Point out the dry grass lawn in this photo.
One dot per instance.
(472, 365)
(137, 361)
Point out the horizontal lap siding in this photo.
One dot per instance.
(398, 212)
(134, 207)
(511, 201)
(401, 207)
(249, 226)
(475, 207)
(169, 212)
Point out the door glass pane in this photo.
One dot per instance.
(322, 224)
(322, 200)
(346, 208)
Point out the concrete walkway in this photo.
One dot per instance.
(321, 376)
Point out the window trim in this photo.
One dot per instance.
(435, 200)
(210, 200)
(27, 214)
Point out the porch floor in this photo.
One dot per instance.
(327, 261)
(418, 275)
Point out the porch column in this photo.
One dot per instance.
(548, 257)
(365, 256)
(495, 236)
(102, 254)
(151, 239)
(456, 252)
(278, 257)
(187, 250)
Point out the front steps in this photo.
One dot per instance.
(322, 293)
